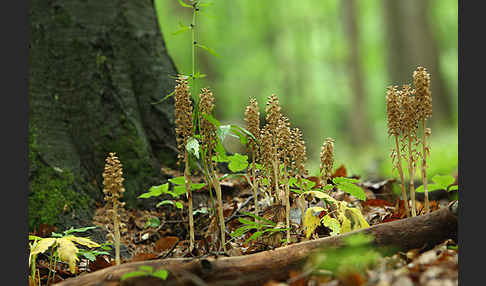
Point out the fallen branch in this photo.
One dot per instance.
(415, 232)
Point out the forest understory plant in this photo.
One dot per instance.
(113, 189)
(406, 110)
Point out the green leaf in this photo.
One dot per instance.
(178, 180)
(133, 274)
(155, 191)
(182, 28)
(200, 75)
(192, 146)
(255, 236)
(353, 190)
(200, 211)
(178, 205)
(327, 187)
(197, 186)
(211, 119)
(339, 180)
(242, 230)
(246, 221)
(443, 181)
(88, 255)
(238, 162)
(184, 4)
(430, 188)
(153, 222)
(259, 218)
(223, 131)
(179, 190)
(162, 274)
(208, 49)
(453, 188)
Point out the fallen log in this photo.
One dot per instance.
(416, 232)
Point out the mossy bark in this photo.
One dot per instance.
(96, 67)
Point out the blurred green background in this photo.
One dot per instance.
(329, 62)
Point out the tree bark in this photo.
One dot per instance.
(411, 43)
(415, 232)
(96, 67)
(360, 129)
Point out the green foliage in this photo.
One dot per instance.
(177, 190)
(348, 185)
(153, 222)
(357, 255)
(441, 183)
(145, 270)
(261, 226)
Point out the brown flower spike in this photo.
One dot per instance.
(421, 81)
(393, 111)
(113, 190)
(327, 160)
(252, 119)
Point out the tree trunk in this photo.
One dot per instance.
(411, 43)
(96, 67)
(254, 269)
(358, 116)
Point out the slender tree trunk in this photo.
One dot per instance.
(360, 129)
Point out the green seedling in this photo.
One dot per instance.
(260, 226)
(62, 248)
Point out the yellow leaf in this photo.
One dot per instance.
(346, 224)
(322, 195)
(67, 252)
(43, 245)
(82, 240)
(357, 218)
(331, 223)
(311, 221)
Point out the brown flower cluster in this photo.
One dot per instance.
(183, 115)
(393, 110)
(208, 130)
(409, 115)
(113, 180)
(252, 119)
(327, 159)
(421, 81)
(298, 152)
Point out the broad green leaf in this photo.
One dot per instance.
(88, 255)
(192, 146)
(133, 274)
(211, 119)
(178, 205)
(197, 186)
(153, 222)
(453, 188)
(165, 202)
(238, 162)
(155, 191)
(443, 181)
(178, 180)
(353, 190)
(430, 188)
(162, 274)
(328, 187)
(179, 190)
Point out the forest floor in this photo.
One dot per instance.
(156, 234)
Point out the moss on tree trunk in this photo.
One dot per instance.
(95, 68)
